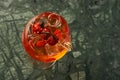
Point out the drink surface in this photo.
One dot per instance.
(46, 37)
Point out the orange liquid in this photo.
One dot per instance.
(47, 42)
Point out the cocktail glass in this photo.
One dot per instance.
(46, 38)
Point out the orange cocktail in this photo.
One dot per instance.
(46, 37)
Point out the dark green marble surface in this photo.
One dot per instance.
(95, 29)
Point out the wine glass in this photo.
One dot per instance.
(46, 38)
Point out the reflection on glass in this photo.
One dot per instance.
(46, 38)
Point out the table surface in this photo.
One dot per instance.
(95, 29)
